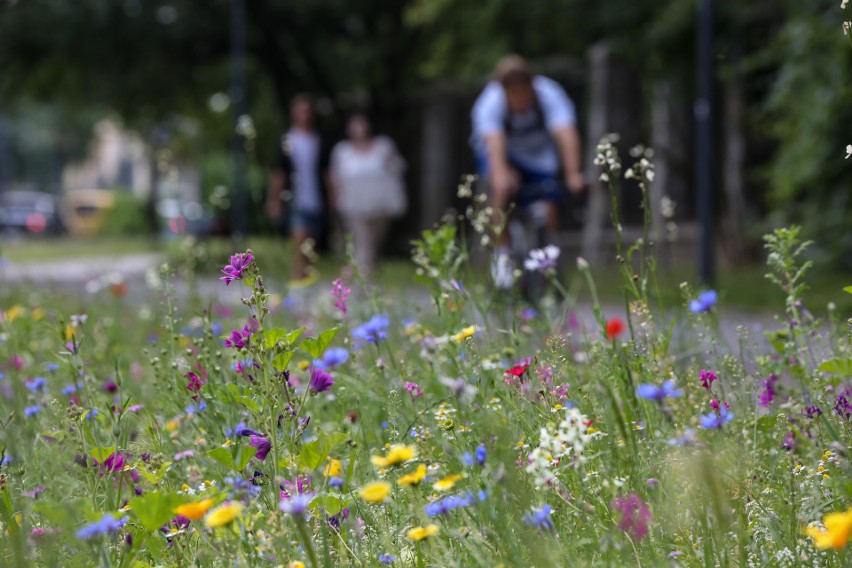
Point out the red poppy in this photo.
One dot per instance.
(615, 326)
(518, 371)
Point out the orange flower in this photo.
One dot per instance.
(194, 511)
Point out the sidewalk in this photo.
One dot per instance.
(80, 270)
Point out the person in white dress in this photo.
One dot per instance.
(367, 188)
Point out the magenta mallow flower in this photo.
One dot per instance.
(234, 271)
(635, 515)
(239, 339)
(196, 381)
(768, 394)
(257, 440)
(113, 462)
(707, 378)
(321, 381)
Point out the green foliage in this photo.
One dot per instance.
(127, 217)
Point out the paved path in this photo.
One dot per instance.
(80, 270)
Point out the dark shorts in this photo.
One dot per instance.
(309, 222)
(535, 186)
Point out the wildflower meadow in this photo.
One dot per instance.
(454, 427)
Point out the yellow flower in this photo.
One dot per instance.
(838, 527)
(194, 511)
(414, 477)
(38, 314)
(333, 469)
(447, 483)
(419, 533)
(224, 514)
(296, 564)
(375, 492)
(302, 365)
(464, 334)
(397, 454)
(14, 312)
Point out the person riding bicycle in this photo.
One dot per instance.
(524, 135)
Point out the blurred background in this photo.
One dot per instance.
(163, 117)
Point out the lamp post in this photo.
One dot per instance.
(238, 99)
(704, 171)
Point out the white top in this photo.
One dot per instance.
(369, 182)
(533, 149)
(304, 150)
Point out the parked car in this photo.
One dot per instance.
(29, 212)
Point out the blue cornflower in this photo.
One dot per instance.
(50, 367)
(31, 410)
(714, 420)
(540, 518)
(108, 524)
(658, 394)
(480, 454)
(71, 389)
(704, 302)
(335, 482)
(296, 505)
(36, 384)
(373, 330)
(332, 358)
(195, 409)
(387, 558)
(6, 460)
(90, 415)
(2, 376)
(467, 459)
(235, 431)
(447, 504)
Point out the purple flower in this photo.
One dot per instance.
(704, 302)
(234, 271)
(257, 440)
(114, 462)
(296, 505)
(340, 293)
(36, 384)
(842, 405)
(321, 381)
(635, 515)
(32, 410)
(790, 441)
(196, 381)
(387, 559)
(768, 394)
(106, 525)
(707, 378)
(35, 492)
(480, 454)
(414, 390)
(540, 518)
(813, 412)
(447, 504)
(239, 339)
(658, 394)
(373, 330)
(716, 419)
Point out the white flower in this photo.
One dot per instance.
(848, 151)
(843, 4)
(541, 260)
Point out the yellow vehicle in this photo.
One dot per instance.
(84, 210)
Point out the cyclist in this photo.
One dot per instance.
(524, 134)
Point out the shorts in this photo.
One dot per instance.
(535, 186)
(307, 221)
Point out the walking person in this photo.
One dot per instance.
(302, 168)
(367, 188)
(524, 133)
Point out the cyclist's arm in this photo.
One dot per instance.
(568, 141)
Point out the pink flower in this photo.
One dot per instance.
(340, 293)
(239, 339)
(234, 271)
(635, 515)
(707, 378)
(414, 390)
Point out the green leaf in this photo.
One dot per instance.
(837, 366)
(848, 289)
(155, 477)
(332, 504)
(271, 337)
(101, 454)
(315, 453)
(153, 510)
(281, 361)
(236, 457)
(316, 346)
(248, 403)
